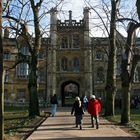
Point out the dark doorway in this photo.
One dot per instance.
(70, 90)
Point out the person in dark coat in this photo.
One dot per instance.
(77, 109)
(94, 108)
(54, 103)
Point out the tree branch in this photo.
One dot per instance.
(21, 58)
(126, 19)
(98, 15)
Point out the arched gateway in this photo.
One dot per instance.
(69, 69)
(69, 90)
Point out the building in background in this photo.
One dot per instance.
(70, 63)
(70, 58)
(16, 79)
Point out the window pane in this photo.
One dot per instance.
(6, 55)
(99, 55)
(76, 41)
(76, 64)
(64, 64)
(22, 70)
(64, 42)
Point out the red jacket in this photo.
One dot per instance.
(94, 107)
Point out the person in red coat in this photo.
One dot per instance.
(94, 108)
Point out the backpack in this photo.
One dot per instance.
(53, 100)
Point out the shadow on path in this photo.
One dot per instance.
(94, 138)
(62, 127)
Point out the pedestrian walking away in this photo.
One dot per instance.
(54, 103)
(78, 111)
(100, 101)
(85, 102)
(94, 108)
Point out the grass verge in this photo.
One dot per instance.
(133, 126)
(18, 125)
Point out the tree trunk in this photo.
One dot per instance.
(126, 73)
(111, 77)
(34, 104)
(125, 116)
(32, 87)
(138, 8)
(109, 106)
(1, 79)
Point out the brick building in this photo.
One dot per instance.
(70, 63)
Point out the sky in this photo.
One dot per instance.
(77, 6)
(77, 13)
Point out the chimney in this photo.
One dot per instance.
(53, 19)
(6, 32)
(86, 17)
(70, 16)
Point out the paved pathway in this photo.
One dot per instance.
(61, 127)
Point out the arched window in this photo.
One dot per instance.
(21, 95)
(41, 75)
(41, 54)
(6, 95)
(24, 50)
(99, 55)
(58, 65)
(100, 75)
(64, 42)
(6, 79)
(22, 70)
(6, 55)
(118, 66)
(137, 74)
(76, 64)
(64, 64)
(76, 40)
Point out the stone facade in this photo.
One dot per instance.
(70, 64)
(16, 79)
(69, 57)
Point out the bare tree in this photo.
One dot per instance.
(111, 74)
(2, 72)
(33, 47)
(111, 77)
(31, 12)
(138, 8)
(129, 63)
(126, 75)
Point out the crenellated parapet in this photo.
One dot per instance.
(73, 23)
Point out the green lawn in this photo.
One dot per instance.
(17, 123)
(134, 124)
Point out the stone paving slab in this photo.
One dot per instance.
(62, 127)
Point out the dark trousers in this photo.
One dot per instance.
(96, 119)
(78, 119)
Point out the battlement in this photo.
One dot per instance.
(70, 23)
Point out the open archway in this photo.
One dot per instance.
(69, 90)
